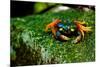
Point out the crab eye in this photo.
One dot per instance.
(72, 29)
(61, 29)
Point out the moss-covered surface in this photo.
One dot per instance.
(31, 45)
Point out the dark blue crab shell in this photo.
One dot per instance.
(60, 25)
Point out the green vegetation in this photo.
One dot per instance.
(31, 45)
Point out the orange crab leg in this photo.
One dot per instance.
(52, 26)
(82, 28)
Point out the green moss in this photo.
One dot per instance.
(32, 45)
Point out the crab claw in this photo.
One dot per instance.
(78, 38)
(64, 37)
(61, 37)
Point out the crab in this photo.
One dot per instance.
(63, 32)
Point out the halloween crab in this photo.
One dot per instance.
(64, 32)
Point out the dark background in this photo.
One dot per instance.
(22, 8)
